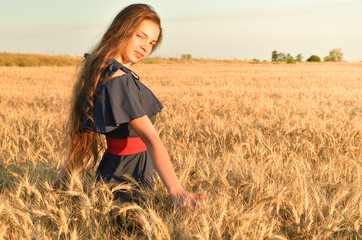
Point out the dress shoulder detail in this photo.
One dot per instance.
(119, 101)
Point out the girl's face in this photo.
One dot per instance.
(141, 42)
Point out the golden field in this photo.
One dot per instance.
(277, 147)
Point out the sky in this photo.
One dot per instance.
(209, 29)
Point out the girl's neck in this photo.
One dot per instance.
(127, 65)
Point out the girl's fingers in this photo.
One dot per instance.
(55, 184)
(195, 198)
(201, 196)
(188, 198)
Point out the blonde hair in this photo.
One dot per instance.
(84, 144)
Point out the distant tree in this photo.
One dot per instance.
(327, 58)
(281, 57)
(314, 58)
(299, 58)
(336, 55)
(274, 56)
(289, 59)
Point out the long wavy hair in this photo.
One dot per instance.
(84, 145)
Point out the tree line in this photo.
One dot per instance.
(335, 55)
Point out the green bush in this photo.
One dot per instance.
(327, 59)
(154, 60)
(314, 58)
(186, 57)
(290, 60)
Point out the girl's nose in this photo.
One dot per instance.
(146, 47)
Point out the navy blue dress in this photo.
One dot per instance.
(119, 101)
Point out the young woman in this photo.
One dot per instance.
(110, 99)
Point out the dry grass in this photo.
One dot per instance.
(31, 60)
(277, 147)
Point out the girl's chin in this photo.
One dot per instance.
(131, 61)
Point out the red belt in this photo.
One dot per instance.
(125, 146)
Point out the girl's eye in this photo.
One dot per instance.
(140, 36)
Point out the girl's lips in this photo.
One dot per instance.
(139, 55)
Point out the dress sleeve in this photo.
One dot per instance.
(119, 101)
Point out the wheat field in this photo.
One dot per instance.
(276, 146)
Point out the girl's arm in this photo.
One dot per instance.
(146, 131)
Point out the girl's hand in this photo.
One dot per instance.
(57, 181)
(63, 174)
(185, 198)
